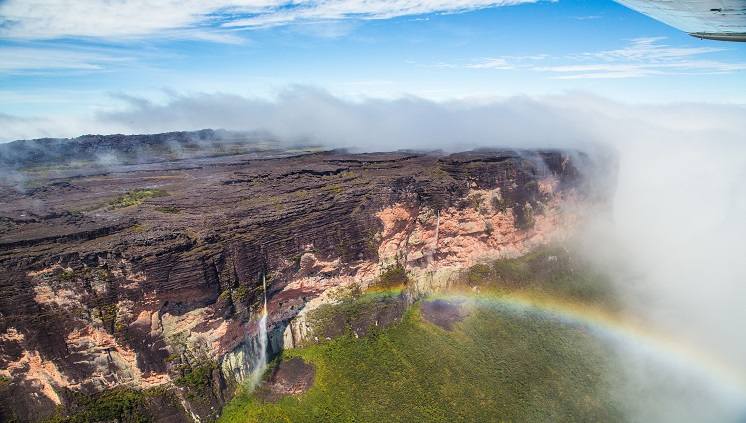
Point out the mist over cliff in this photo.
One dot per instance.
(677, 205)
(676, 232)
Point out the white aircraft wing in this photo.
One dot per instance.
(723, 20)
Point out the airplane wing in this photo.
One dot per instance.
(723, 20)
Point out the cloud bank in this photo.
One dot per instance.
(309, 114)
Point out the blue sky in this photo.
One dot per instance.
(87, 57)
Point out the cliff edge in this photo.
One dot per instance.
(143, 281)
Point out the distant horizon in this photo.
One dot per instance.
(71, 69)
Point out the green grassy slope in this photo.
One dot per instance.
(494, 366)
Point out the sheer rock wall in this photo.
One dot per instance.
(163, 293)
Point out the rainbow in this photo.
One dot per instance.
(621, 331)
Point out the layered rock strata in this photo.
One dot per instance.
(149, 277)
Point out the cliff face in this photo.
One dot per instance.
(150, 276)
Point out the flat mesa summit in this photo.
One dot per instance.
(141, 278)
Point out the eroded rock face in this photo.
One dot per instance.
(149, 276)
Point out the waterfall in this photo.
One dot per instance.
(263, 326)
(437, 231)
(430, 252)
(260, 361)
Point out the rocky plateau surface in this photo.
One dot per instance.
(145, 278)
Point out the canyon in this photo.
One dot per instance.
(137, 278)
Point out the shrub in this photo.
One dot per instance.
(475, 201)
(168, 209)
(393, 277)
(498, 205)
(135, 197)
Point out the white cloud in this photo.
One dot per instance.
(201, 19)
(13, 59)
(39, 19)
(493, 63)
(647, 50)
(15, 127)
(365, 9)
(498, 63)
(640, 58)
(369, 83)
(599, 71)
(585, 18)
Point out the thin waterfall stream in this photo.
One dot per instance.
(437, 230)
(260, 362)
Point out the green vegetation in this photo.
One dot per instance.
(107, 313)
(134, 198)
(199, 377)
(168, 209)
(497, 365)
(440, 173)
(488, 228)
(498, 205)
(191, 366)
(334, 188)
(348, 174)
(475, 201)
(393, 277)
(240, 293)
(120, 404)
(551, 271)
(69, 275)
(355, 314)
